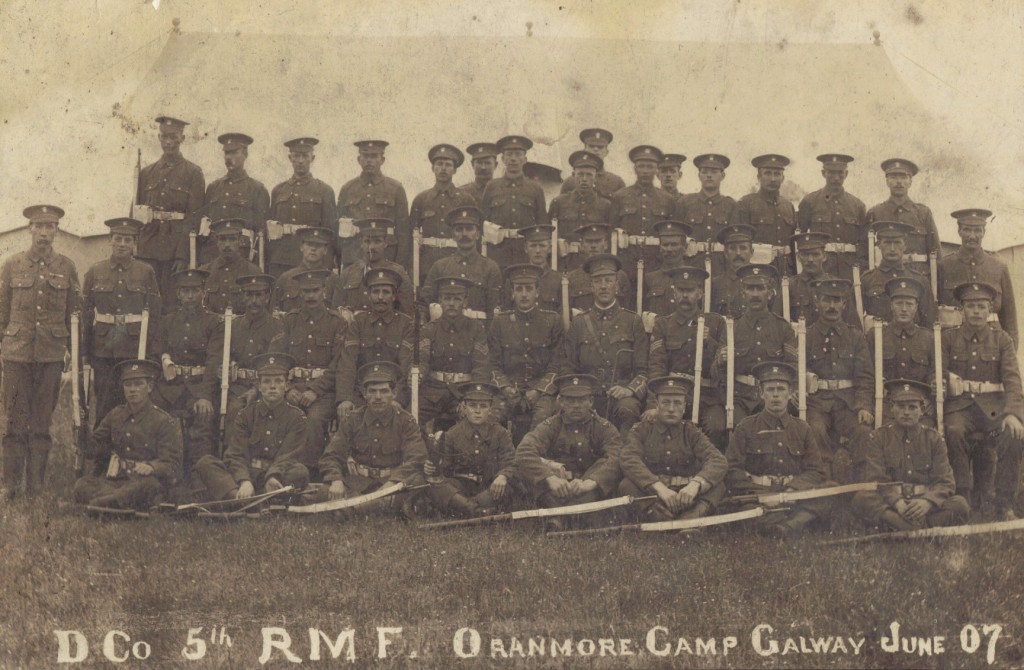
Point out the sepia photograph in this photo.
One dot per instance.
(530, 333)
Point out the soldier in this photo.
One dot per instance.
(984, 396)
(609, 343)
(229, 265)
(236, 195)
(484, 159)
(115, 292)
(314, 336)
(771, 215)
(511, 202)
(834, 211)
(376, 445)
(173, 189)
(915, 455)
(891, 238)
(430, 207)
(482, 274)
(38, 293)
(314, 245)
(594, 240)
(373, 243)
(453, 350)
(707, 211)
(252, 331)
(580, 206)
(973, 264)
(372, 195)
(839, 396)
(899, 174)
(301, 201)
(674, 347)
(760, 336)
(268, 439)
(526, 347)
(471, 470)
(380, 334)
(670, 168)
(811, 250)
(772, 451)
(573, 456)
(727, 297)
(596, 141)
(189, 346)
(659, 298)
(636, 208)
(537, 240)
(670, 457)
(137, 447)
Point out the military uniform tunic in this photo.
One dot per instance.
(288, 296)
(908, 352)
(842, 216)
(483, 296)
(981, 266)
(773, 217)
(706, 215)
(727, 296)
(526, 351)
(172, 184)
(390, 447)
(476, 190)
(355, 295)
(373, 197)
(635, 210)
(299, 201)
(428, 213)
(221, 289)
(250, 337)
(757, 337)
(372, 338)
(570, 210)
(802, 305)
(470, 458)
(606, 184)
(659, 293)
(925, 237)
(238, 197)
(513, 203)
(581, 297)
(876, 300)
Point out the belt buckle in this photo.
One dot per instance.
(907, 490)
(119, 319)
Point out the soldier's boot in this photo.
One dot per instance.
(795, 524)
(110, 501)
(36, 473)
(891, 520)
(944, 517)
(1004, 509)
(699, 509)
(463, 506)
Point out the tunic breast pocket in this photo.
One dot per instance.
(384, 203)
(308, 207)
(58, 292)
(499, 201)
(176, 198)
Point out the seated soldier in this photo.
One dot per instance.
(471, 466)
(139, 443)
(377, 444)
(669, 456)
(573, 456)
(772, 451)
(905, 451)
(266, 443)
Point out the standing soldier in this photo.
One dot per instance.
(267, 440)
(115, 292)
(760, 336)
(707, 211)
(772, 451)
(594, 239)
(38, 292)
(372, 195)
(971, 263)
(771, 215)
(915, 455)
(834, 211)
(537, 240)
(672, 458)
(189, 347)
(924, 240)
(300, 202)
(636, 208)
(609, 343)
(511, 202)
(229, 265)
(236, 195)
(811, 250)
(314, 245)
(482, 274)
(674, 347)
(172, 189)
(526, 347)
(484, 159)
(984, 396)
(891, 237)
(137, 443)
(572, 457)
(840, 391)
(580, 206)
(252, 331)
(430, 207)
(453, 350)
(377, 444)
(472, 471)
(596, 141)
(659, 298)
(670, 168)
(380, 334)
(727, 296)
(373, 243)
(314, 336)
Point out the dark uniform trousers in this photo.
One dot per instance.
(917, 458)
(37, 297)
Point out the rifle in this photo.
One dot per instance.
(213, 506)
(80, 437)
(707, 282)
(347, 503)
(879, 375)
(414, 372)
(941, 531)
(539, 513)
(698, 371)
(933, 271)
(858, 295)
(871, 250)
(685, 525)
(640, 286)
(225, 369)
(730, 374)
(566, 312)
(787, 312)
(783, 497)
(940, 395)
(801, 365)
(417, 240)
(192, 258)
(143, 333)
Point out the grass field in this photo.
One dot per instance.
(155, 579)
